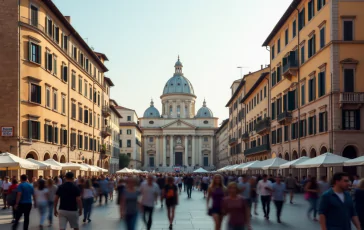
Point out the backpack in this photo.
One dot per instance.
(11, 197)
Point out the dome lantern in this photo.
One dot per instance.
(178, 67)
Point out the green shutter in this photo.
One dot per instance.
(65, 137)
(314, 124)
(46, 60)
(38, 130)
(45, 132)
(39, 54)
(29, 51)
(56, 135)
(325, 122)
(30, 129)
(55, 66)
(357, 119)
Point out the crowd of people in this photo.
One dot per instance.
(339, 204)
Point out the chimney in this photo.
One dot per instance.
(68, 18)
(261, 66)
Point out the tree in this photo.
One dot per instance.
(124, 160)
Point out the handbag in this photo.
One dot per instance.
(307, 196)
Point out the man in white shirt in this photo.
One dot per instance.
(5, 187)
(264, 189)
(149, 191)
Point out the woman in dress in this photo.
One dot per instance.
(359, 201)
(42, 198)
(52, 189)
(170, 194)
(111, 186)
(312, 189)
(130, 203)
(88, 195)
(216, 192)
(236, 208)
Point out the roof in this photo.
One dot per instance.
(101, 55)
(291, 8)
(130, 124)
(178, 84)
(260, 79)
(242, 82)
(73, 32)
(113, 101)
(223, 124)
(115, 111)
(108, 80)
(121, 107)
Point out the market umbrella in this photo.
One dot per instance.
(229, 167)
(53, 162)
(91, 168)
(323, 160)
(9, 161)
(234, 167)
(355, 162)
(101, 169)
(292, 164)
(44, 165)
(124, 170)
(200, 170)
(74, 166)
(222, 168)
(256, 165)
(274, 163)
(241, 166)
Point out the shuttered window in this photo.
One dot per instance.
(301, 19)
(272, 52)
(303, 95)
(311, 9)
(34, 15)
(323, 122)
(351, 119)
(65, 73)
(35, 93)
(312, 46)
(286, 133)
(321, 84)
(348, 80)
(348, 30)
(34, 52)
(286, 37)
(312, 89)
(279, 74)
(302, 54)
(273, 111)
(73, 111)
(33, 130)
(294, 29)
(322, 37)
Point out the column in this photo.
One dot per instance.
(145, 151)
(183, 115)
(186, 151)
(211, 161)
(200, 156)
(164, 154)
(157, 153)
(171, 151)
(193, 151)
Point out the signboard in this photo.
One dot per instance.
(7, 131)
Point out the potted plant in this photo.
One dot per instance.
(103, 149)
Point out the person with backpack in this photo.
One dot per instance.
(11, 198)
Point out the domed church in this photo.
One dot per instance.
(178, 138)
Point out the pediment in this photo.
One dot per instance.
(179, 124)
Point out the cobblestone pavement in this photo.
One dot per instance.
(190, 215)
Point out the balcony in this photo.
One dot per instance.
(284, 118)
(351, 98)
(108, 150)
(259, 149)
(263, 126)
(138, 142)
(233, 141)
(290, 65)
(106, 111)
(245, 136)
(106, 131)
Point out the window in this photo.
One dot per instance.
(311, 9)
(81, 59)
(34, 52)
(98, 122)
(302, 128)
(301, 19)
(90, 116)
(48, 97)
(286, 133)
(74, 53)
(80, 113)
(56, 34)
(312, 125)
(278, 46)
(129, 118)
(48, 62)
(323, 122)
(273, 80)
(272, 52)
(49, 26)
(205, 139)
(311, 89)
(85, 118)
(294, 131)
(128, 132)
(351, 119)
(320, 4)
(151, 139)
(34, 15)
(128, 143)
(90, 95)
(302, 54)
(322, 37)
(35, 93)
(73, 80)
(348, 30)
(279, 74)
(303, 99)
(286, 37)
(55, 100)
(80, 85)
(86, 142)
(55, 135)
(312, 46)
(73, 139)
(63, 104)
(273, 111)
(65, 73)
(120, 143)
(64, 42)
(64, 136)
(294, 28)
(321, 84)
(128, 154)
(73, 111)
(98, 98)
(33, 130)
(348, 80)
(80, 140)
(85, 88)
(274, 137)
(279, 135)
(265, 91)
(48, 133)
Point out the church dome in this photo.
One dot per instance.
(178, 84)
(204, 111)
(152, 112)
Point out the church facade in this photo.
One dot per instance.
(178, 138)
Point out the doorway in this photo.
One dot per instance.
(178, 159)
(350, 152)
(151, 161)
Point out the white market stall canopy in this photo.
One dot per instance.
(221, 169)
(91, 168)
(124, 170)
(242, 166)
(53, 162)
(274, 163)
(292, 164)
(256, 165)
(200, 170)
(355, 162)
(324, 160)
(44, 165)
(9, 161)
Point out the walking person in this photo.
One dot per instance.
(264, 188)
(312, 190)
(130, 202)
(337, 209)
(236, 208)
(253, 194)
(104, 189)
(291, 184)
(23, 203)
(205, 185)
(170, 193)
(161, 181)
(279, 196)
(189, 184)
(245, 190)
(120, 191)
(5, 189)
(52, 189)
(359, 201)
(111, 186)
(323, 185)
(70, 200)
(179, 182)
(88, 194)
(216, 192)
(149, 191)
(11, 197)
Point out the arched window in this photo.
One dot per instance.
(178, 111)
(170, 110)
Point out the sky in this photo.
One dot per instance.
(142, 39)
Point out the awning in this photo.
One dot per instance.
(9, 161)
(323, 160)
